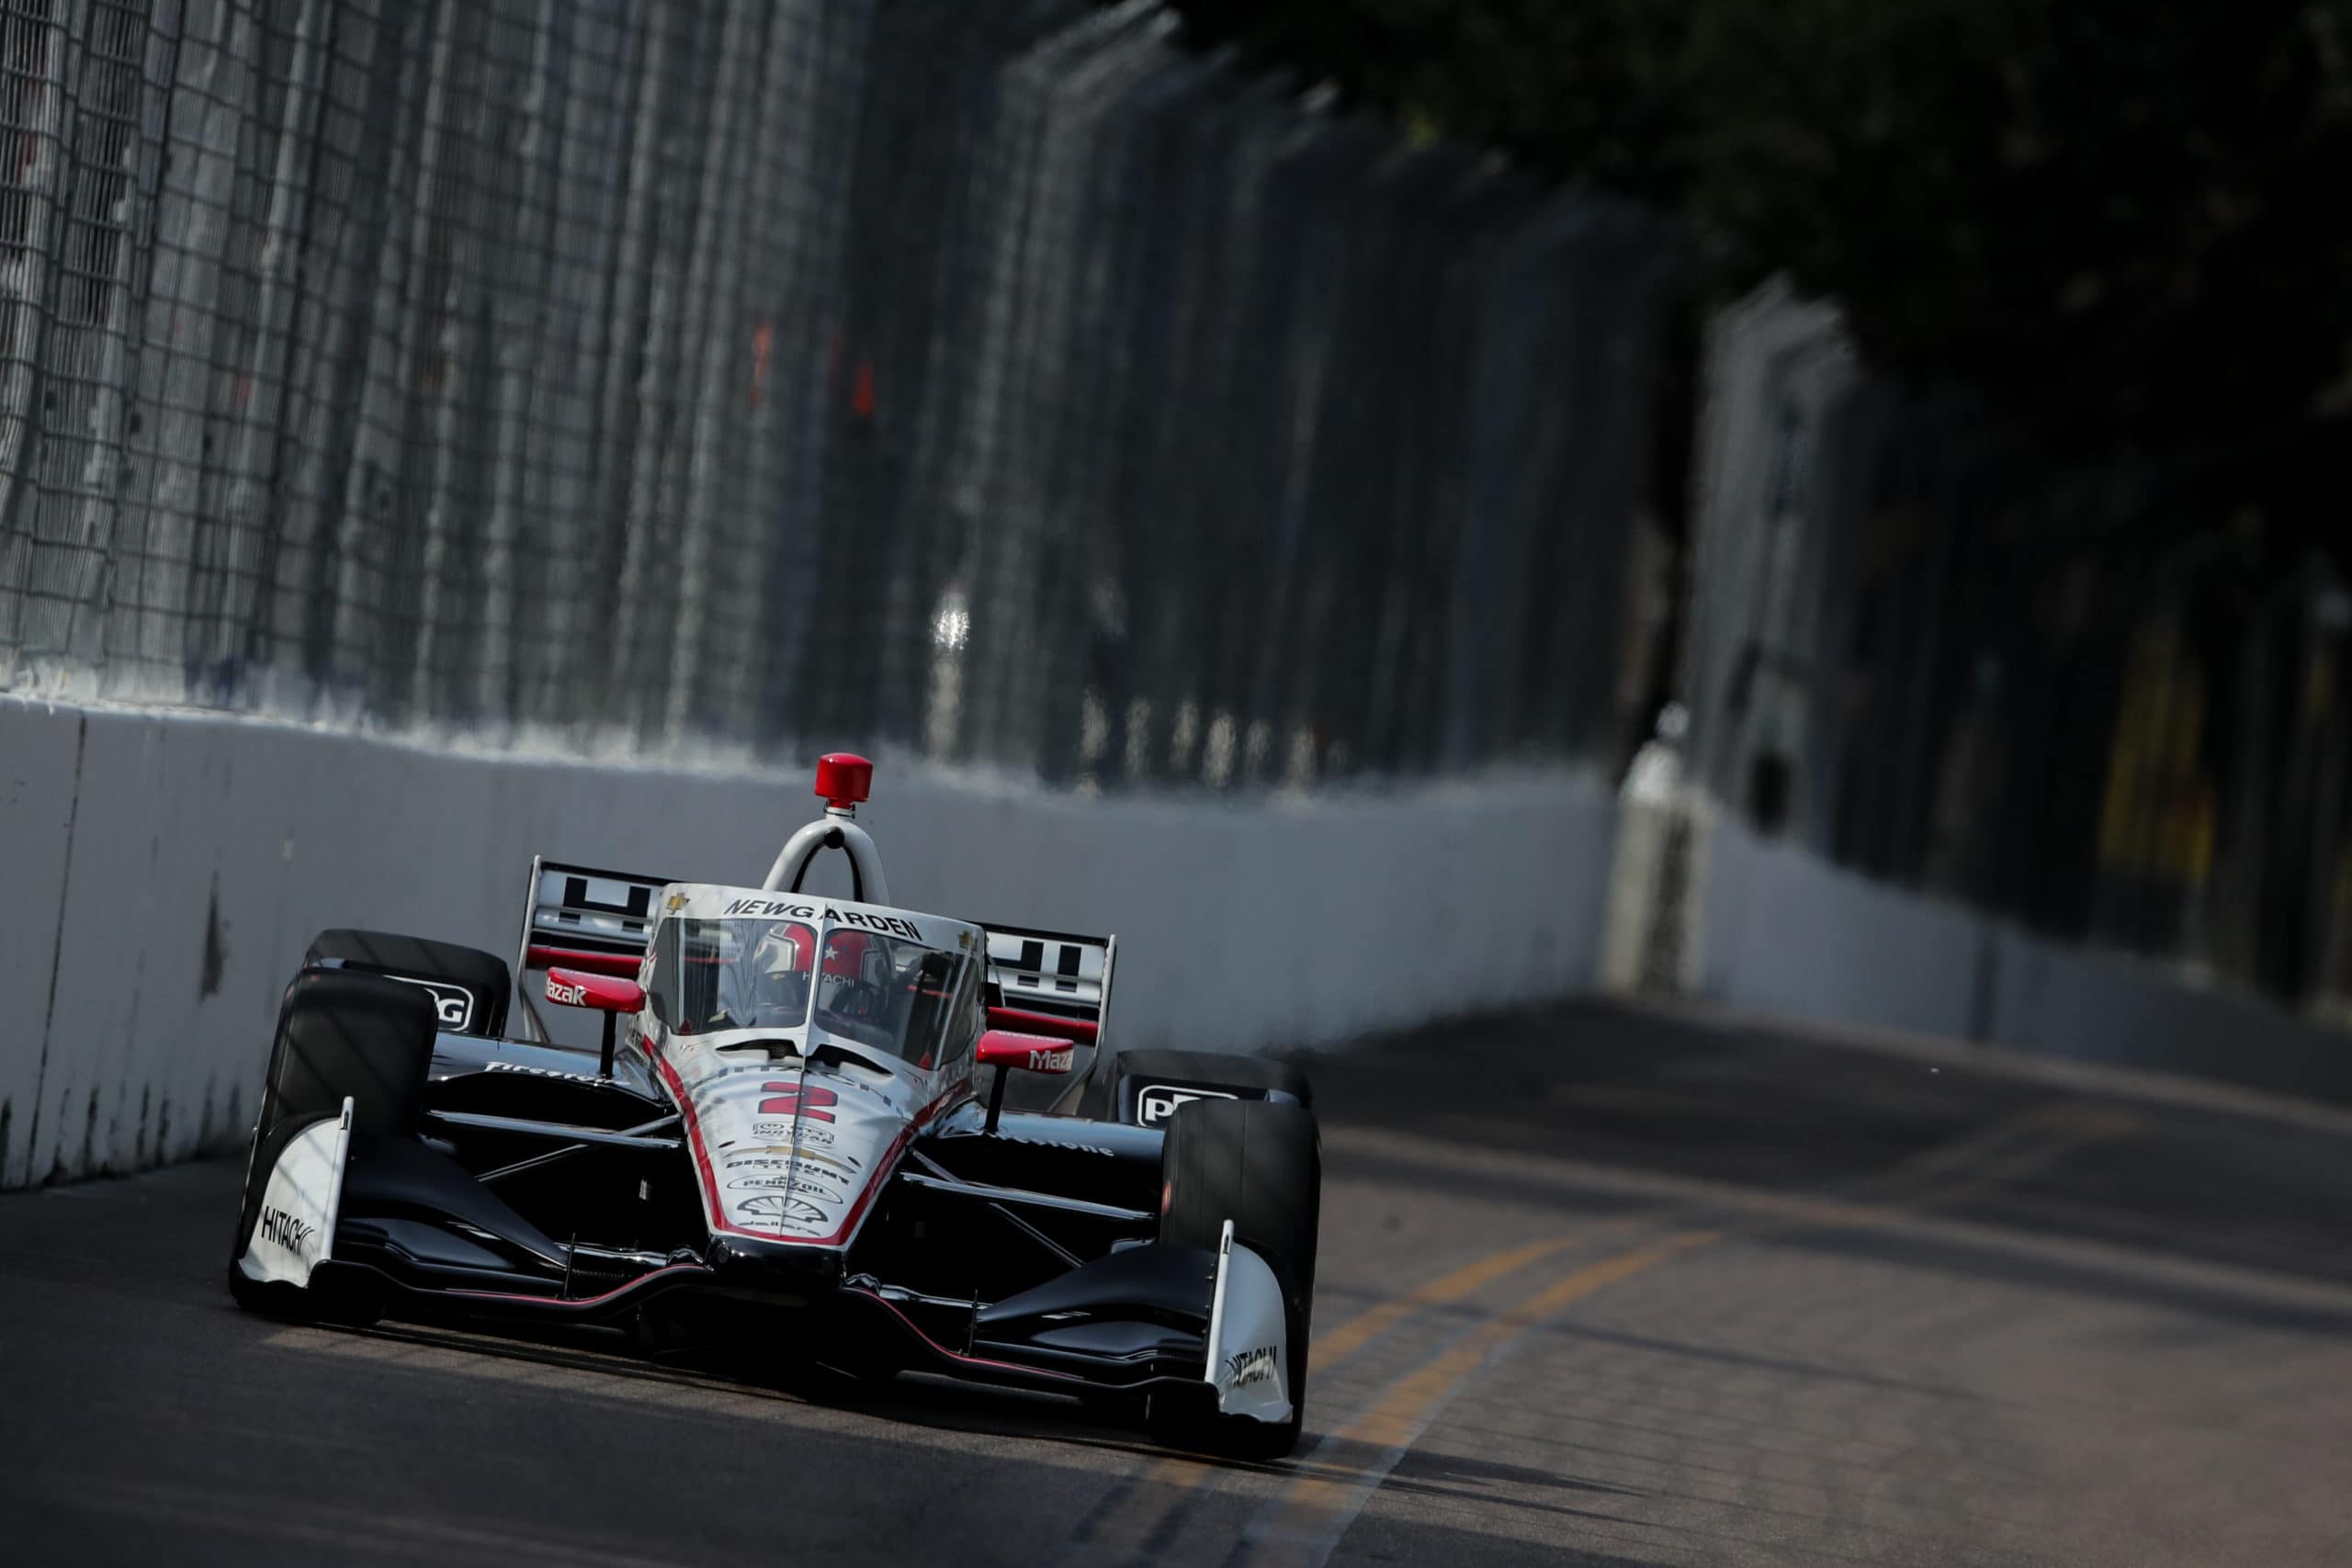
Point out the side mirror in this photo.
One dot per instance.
(1029, 1053)
(1005, 1051)
(569, 987)
(608, 994)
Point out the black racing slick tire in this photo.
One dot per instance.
(341, 1034)
(469, 989)
(1258, 1163)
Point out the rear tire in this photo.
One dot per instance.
(341, 1034)
(1098, 1097)
(1258, 1163)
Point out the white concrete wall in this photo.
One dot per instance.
(2103, 1007)
(161, 874)
(1784, 932)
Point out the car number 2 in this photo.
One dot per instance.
(799, 1099)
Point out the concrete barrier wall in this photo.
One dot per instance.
(1785, 931)
(161, 874)
(2102, 1007)
(1782, 931)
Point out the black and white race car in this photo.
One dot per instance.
(783, 1141)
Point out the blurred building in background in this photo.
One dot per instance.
(997, 379)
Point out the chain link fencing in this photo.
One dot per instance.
(996, 379)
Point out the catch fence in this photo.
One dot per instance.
(2067, 695)
(998, 380)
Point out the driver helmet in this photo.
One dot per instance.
(845, 955)
(780, 970)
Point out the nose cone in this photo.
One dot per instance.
(766, 1269)
(797, 1157)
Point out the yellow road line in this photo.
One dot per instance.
(1183, 1472)
(1310, 1515)
(1390, 1425)
(1366, 1326)
(1318, 1506)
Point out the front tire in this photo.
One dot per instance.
(341, 1034)
(1258, 1163)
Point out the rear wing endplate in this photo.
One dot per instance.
(580, 918)
(1055, 982)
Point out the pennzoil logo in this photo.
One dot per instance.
(282, 1229)
(782, 1210)
(799, 1181)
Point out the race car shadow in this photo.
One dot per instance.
(909, 1399)
(1423, 1473)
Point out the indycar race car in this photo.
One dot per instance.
(791, 1138)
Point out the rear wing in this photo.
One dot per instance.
(580, 918)
(1041, 981)
(1054, 983)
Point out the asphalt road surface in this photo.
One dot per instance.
(1598, 1287)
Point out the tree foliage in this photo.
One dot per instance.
(2127, 222)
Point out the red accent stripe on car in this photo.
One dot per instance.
(624, 964)
(1084, 1030)
(637, 1284)
(891, 1307)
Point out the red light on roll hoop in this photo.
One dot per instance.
(843, 779)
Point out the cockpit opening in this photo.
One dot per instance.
(787, 977)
